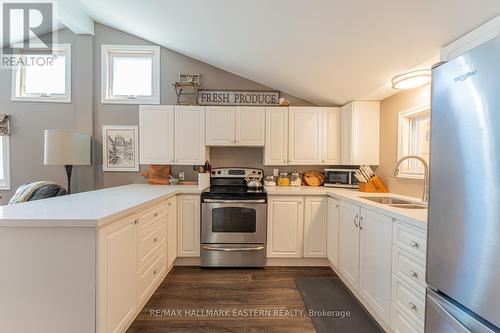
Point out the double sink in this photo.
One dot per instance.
(395, 202)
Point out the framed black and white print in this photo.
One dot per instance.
(120, 148)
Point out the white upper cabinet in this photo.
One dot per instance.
(250, 126)
(156, 129)
(332, 232)
(375, 261)
(220, 125)
(190, 146)
(315, 219)
(276, 148)
(331, 136)
(360, 133)
(305, 137)
(230, 126)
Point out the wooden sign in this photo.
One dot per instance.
(238, 97)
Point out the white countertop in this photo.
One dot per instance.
(88, 209)
(417, 217)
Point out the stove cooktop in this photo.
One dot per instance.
(233, 192)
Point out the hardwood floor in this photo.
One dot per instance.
(192, 300)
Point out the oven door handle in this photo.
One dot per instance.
(233, 249)
(234, 201)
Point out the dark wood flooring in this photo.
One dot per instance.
(193, 300)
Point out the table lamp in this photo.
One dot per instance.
(68, 148)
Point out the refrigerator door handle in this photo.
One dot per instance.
(434, 302)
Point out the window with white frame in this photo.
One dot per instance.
(44, 77)
(414, 139)
(130, 74)
(4, 163)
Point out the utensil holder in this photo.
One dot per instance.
(203, 180)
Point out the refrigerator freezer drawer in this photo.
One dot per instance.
(444, 317)
(410, 239)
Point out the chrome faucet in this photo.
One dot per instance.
(425, 194)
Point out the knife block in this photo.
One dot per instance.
(374, 185)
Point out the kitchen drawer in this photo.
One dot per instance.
(149, 242)
(408, 268)
(409, 301)
(410, 239)
(152, 215)
(148, 277)
(400, 323)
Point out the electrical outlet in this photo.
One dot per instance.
(181, 175)
(276, 172)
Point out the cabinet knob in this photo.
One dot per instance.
(136, 221)
(413, 274)
(155, 214)
(323, 161)
(170, 204)
(413, 244)
(412, 306)
(154, 272)
(155, 240)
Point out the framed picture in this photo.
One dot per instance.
(120, 148)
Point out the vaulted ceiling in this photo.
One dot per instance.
(324, 51)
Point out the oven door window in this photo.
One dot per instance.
(338, 177)
(234, 219)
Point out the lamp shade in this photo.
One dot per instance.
(63, 147)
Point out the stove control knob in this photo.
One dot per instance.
(213, 172)
(219, 172)
(259, 173)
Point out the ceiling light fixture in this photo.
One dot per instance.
(412, 79)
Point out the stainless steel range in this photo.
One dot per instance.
(234, 219)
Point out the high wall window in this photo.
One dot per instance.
(45, 78)
(414, 139)
(130, 74)
(4, 163)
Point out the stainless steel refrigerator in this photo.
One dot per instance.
(463, 254)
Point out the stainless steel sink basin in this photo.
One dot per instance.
(409, 206)
(388, 200)
(395, 202)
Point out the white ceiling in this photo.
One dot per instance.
(324, 51)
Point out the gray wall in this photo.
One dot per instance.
(30, 119)
(87, 114)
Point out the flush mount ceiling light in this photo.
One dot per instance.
(412, 79)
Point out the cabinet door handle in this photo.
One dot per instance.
(360, 223)
(136, 221)
(413, 274)
(356, 221)
(412, 306)
(170, 204)
(155, 240)
(154, 272)
(413, 244)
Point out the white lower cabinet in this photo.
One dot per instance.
(285, 225)
(132, 262)
(332, 232)
(349, 243)
(375, 261)
(171, 231)
(365, 256)
(117, 276)
(188, 210)
(315, 218)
